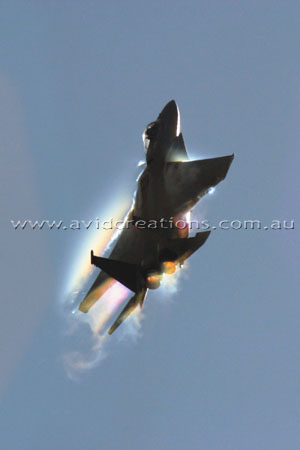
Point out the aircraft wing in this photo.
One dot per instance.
(177, 151)
(186, 182)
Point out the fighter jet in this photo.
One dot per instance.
(155, 237)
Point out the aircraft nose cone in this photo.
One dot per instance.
(170, 111)
(170, 108)
(169, 119)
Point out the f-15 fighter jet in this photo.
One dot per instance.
(152, 242)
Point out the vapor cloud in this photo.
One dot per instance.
(87, 333)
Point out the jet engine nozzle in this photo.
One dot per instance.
(153, 280)
(168, 267)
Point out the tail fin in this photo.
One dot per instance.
(129, 308)
(102, 283)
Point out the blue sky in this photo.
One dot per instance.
(216, 366)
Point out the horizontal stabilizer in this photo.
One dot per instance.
(185, 247)
(186, 182)
(136, 300)
(125, 273)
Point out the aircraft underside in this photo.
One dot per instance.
(150, 244)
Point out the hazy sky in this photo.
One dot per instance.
(216, 365)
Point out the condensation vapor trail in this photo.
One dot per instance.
(93, 326)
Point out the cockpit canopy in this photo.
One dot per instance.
(150, 133)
